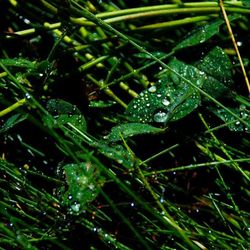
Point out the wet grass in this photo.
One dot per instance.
(124, 125)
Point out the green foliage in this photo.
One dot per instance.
(84, 183)
(246, 3)
(101, 104)
(173, 97)
(126, 130)
(12, 121)
(202, 34)
(218, 69)
(65, 113)
(91, 176)
(117, 153)
(230, 121)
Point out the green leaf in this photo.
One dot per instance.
(117, 153)
(64, 113)
(84, 183)
(232, 123)
(12, 121)
(171, 98)
(18, 62)
(200, 35)
(131, 129)
(218, 68)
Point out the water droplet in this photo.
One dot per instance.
(239, 43)
(135, 106)
(160, 116)
(27, 21)
(148, 104)
(165, 102)
(120, 161)
(132, 204)
(27, 96)
(76, 207)
(158, 95)
(152, 89)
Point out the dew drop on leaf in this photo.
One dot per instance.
(152, 89)
(165, 102)
(160, 116)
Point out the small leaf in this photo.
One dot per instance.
(131, 129)
(246, 3)
(218, 67)
(200, 35)
(232, 123)
(64, 113)
(117, 153)
(12, 121)
(18, 62)
(84, 182)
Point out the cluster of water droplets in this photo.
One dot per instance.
(151, 105)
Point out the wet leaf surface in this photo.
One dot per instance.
(202, 34)
(218, 68)
(64, 113)
(131, 129)
(12, 121)
(173, 97)
(232, 123)
(83, 185)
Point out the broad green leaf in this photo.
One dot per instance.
(185, 97)
(64, 113)
(170, 98)
(84, 182)
(173, 97)
(231, 122)
(12, 121)
(131, 129)
(218, 68)
(200, 35)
